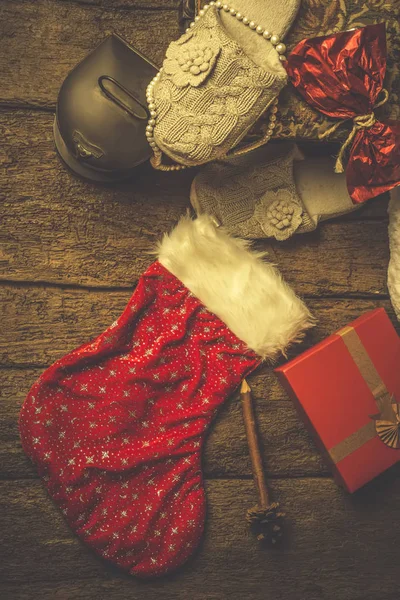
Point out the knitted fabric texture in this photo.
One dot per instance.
(254, 196)
(210, 93)
(394, 242)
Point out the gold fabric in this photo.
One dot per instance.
(296, 119)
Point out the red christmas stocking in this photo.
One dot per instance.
(116, 428)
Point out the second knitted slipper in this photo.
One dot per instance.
(217, 80)
(274, 193)
(394, 241)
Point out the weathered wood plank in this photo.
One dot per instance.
(126, 4)
(322, 556)
(50, 322)
(41, 41)
(53, 50)
(71, 244)
(58, 228)
(287, 447)
(27, 140)
(288, 450)
(87, 590)
(44, 323)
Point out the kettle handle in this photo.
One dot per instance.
(142, 115)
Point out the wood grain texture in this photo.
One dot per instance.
(126, 5)
(70, 256)
(331, 549)
(51, 322)
(58, 228)
(287, 447)
(41, 41)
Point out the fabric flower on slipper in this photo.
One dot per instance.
(190, 63)
(279, 214)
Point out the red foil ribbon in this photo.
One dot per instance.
(342, 75)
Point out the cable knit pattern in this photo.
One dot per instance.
(253, 197)
(209, 93)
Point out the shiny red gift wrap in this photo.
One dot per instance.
(337, 403)
(342, 76)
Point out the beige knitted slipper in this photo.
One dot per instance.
(272, 193)
(217, 80)
(275, 17)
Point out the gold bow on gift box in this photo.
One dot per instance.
(385, 424)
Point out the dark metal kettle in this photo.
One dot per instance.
(100, 125)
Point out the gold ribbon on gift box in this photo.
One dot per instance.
(385, 424)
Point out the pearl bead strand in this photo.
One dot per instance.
(273, 38)
(258, 29)
(150, 128)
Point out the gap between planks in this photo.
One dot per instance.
(140, 5)
(246, 477)
(41, 284)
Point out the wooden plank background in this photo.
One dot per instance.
(71, 253)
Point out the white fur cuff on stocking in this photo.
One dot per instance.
(233, 282)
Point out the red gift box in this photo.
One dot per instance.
(346, 389)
